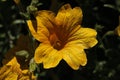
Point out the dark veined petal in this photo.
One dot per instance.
(41, 51)
(85, 37)
(47, 55)
(45, 20)
(68, 18)
(74, 56)
(52, 59)
(12, 76)
(39, 36)
(12, 72)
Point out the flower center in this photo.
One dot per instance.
(55, 42)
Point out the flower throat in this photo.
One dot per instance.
(55, 42)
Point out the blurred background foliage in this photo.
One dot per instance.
(102, 15)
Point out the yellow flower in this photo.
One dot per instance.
(22, 44)
(61, 37)
(17, 1)
(12, 71)
(117, 30)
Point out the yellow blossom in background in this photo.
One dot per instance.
(61, 37)
(15, 66)
(12, 71)
(117, 30)
(17, 1)
(23, 43)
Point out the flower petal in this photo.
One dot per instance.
(44, 25)
(45, 21)
(40, 37)
(4, 71)
(85, 37)
(117, 30)
(41, 51)
(47, 55)
(13, 70)
(52, 59)
(13, 62)
(69, 18)
(12, 76)
(74, 57)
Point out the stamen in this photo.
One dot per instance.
(58, 43)
(55, 42)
